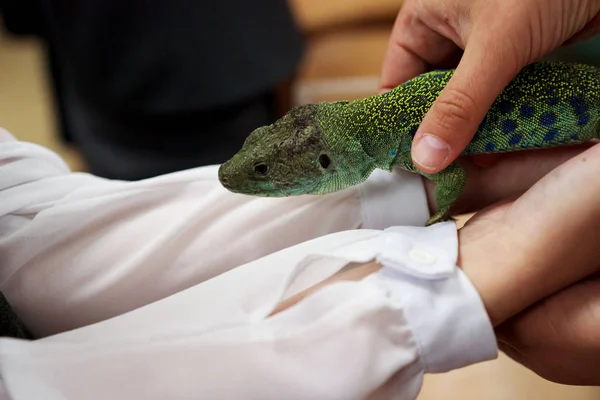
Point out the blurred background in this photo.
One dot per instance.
(126, 91)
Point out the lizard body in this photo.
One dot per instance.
(330, 146)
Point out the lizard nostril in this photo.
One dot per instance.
(222, 177)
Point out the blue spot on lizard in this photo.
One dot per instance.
(505, 107)
(527, 111)
(580, 109)
(548, 118)
(509, 126)
(552, 133)
(515, 139)
(576, 101)
(583, 119)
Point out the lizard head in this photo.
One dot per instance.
(290, 157)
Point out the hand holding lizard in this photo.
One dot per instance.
(490, 41)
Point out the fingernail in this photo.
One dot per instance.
(430, 151)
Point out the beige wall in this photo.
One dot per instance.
(26, 107)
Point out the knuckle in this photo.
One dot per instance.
(454, 108)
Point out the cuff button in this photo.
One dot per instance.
(422, 257)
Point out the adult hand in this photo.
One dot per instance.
(509, 176)
(559, 337)
(499, 38)
(520, 252)
(543, 255)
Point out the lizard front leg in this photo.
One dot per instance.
(449, 186)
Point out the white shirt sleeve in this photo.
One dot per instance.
(374, 338)
(76, 249)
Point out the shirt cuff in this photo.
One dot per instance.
(393, 198)
(443, 310)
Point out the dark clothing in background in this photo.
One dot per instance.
(135, 145)
(144, 88)
(150, 87)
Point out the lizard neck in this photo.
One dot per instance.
(384, 125)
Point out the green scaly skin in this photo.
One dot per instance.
(330, 146)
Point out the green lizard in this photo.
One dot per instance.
(330, 146)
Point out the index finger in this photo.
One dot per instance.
(413, 49)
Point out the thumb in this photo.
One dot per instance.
(486, 68)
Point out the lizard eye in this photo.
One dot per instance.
(324, 160)
(261, 169)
